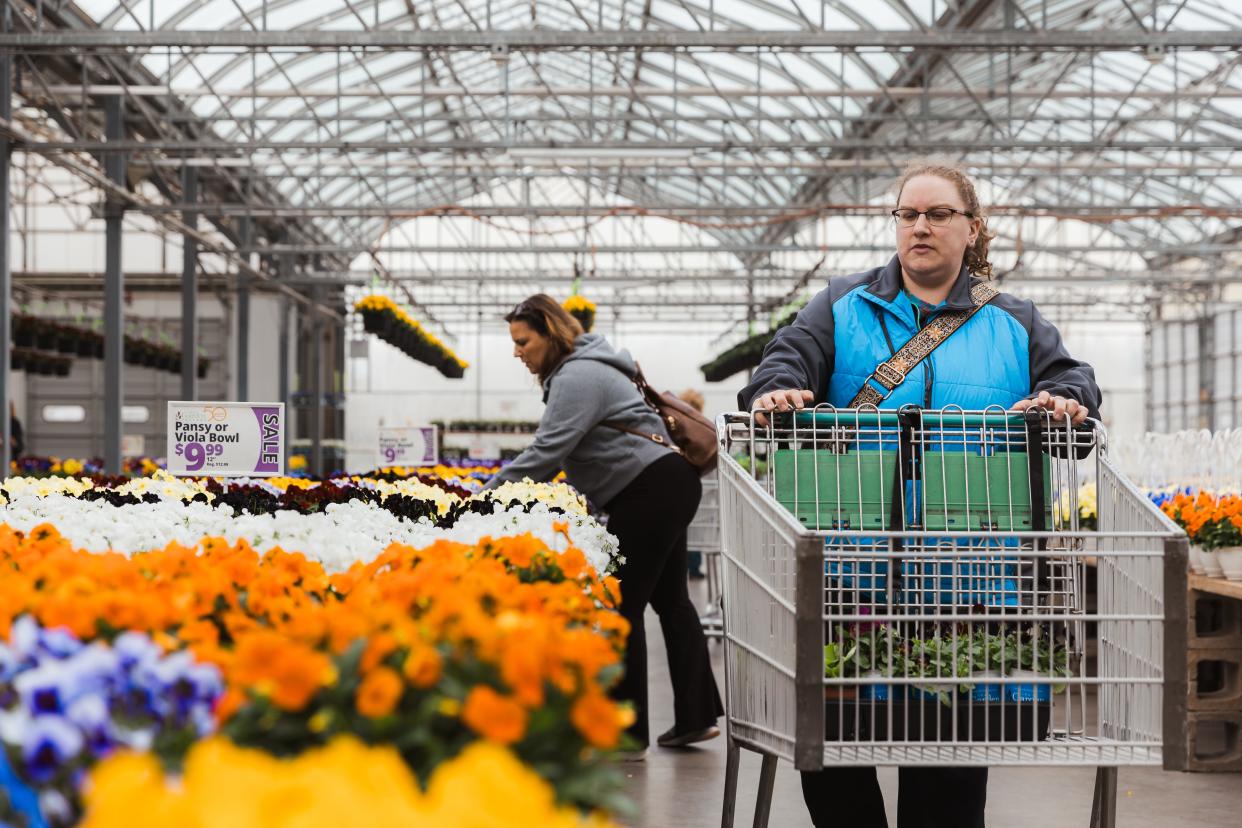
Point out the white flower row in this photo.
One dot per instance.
(167, 487)
(341, 535)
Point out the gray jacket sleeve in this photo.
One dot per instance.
(800, 356)
(1055, 371)
(573, 409)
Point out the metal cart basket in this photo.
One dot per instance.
(911, 588)
(703, 535)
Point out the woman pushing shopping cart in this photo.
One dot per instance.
(944, 571)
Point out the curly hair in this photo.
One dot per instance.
(976, 256)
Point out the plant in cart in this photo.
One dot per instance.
(1030, 655)
(946, 658)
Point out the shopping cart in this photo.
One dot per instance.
(703, 535)
(909, 588)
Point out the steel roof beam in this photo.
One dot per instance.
(558, 40)
(524, 249)
(909, 144)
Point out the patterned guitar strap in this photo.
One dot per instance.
(893, 372)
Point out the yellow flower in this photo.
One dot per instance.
(487, 786)
(225, 786)
(578, 303)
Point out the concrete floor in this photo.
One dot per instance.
(684, 788)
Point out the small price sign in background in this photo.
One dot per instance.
(408, 446)
(226, 439)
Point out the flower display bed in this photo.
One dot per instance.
(479, 622)
(335, 523)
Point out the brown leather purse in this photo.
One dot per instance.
(694, 436)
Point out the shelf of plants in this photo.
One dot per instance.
(47, 346)
(384, 318)
(746, 354)
(268, 635)
(1214, 525)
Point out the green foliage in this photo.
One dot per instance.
(945, 653)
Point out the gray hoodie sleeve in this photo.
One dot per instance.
(800, 356)
(573, 409)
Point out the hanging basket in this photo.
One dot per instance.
(582, 309)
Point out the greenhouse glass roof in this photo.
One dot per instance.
(773, 156)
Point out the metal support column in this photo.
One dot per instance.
(316, 389)
(114, 291)
(189, 288)
(6, 276)
(243, 321)
(284, 270)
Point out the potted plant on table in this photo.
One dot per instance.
(1191, 512)
(1220, 533)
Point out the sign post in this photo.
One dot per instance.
(226, 439)
(408, 446)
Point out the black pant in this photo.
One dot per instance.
(847, 797)
(649, 518)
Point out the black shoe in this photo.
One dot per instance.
(671, 738)
(696, 575)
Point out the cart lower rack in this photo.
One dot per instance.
(911, 588)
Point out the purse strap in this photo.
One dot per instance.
(646, 435)
(893, 371)
(644, 391)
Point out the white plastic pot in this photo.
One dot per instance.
(1196, 560)
(1211, 564)
(1230, 560)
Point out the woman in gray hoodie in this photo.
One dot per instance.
(648, 490)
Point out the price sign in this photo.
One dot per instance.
(226, 439)
(408, 446)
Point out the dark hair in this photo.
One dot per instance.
(545, 316)
(976, 256)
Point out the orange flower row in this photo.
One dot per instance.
(277, 624)
(1210, 521)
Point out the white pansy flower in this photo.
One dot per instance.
(557, 495)
(341, 535)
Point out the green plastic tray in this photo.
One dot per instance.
(962, 491)
(854, 488)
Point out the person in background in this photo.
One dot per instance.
(1007, 355)
(648, 489)
(694, 558)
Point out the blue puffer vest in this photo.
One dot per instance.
(1004, 353)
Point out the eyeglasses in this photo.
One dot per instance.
(936, 216)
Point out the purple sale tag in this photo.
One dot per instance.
(226, 439)
(269, 437)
